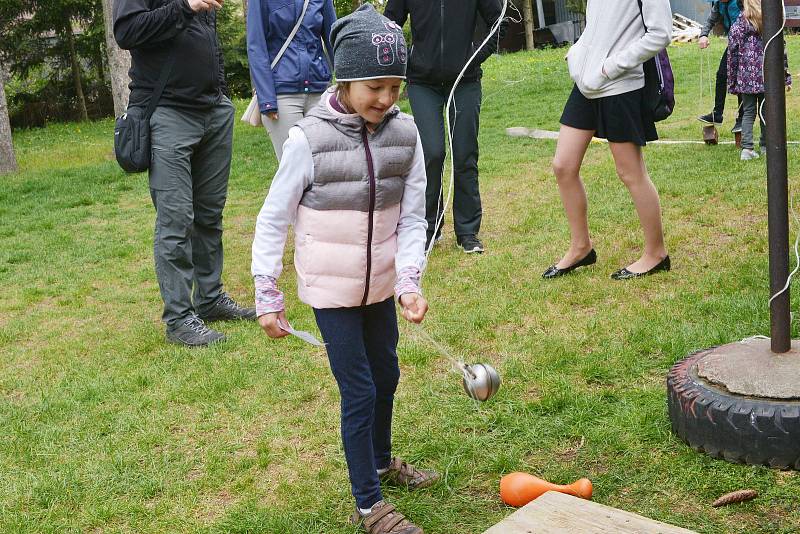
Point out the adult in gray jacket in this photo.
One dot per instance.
(608, 102)
(191, 136)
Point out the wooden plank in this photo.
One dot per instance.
(558, 513)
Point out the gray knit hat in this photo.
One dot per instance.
(367, 45)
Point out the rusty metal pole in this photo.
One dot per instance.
(777, 175)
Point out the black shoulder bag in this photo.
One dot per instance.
(132, 129)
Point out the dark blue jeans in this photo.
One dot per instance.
(362, 350)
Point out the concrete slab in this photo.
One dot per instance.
(751, 368)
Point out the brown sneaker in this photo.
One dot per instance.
(384, 519)
(402, 474)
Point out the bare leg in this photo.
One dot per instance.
(571, 148)
(633, 173)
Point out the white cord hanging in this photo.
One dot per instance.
(764, 59)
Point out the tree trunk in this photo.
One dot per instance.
(76, 70)
(8, 162)
(119, 63)
(527, 15)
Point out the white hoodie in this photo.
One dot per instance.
(607, 59)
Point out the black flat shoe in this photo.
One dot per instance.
(625, 274)
(554, 272)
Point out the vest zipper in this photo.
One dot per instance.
(371, 214)
(211, 30)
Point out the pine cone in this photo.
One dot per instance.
(734, 497)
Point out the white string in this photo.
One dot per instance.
(764, 59)
(747, 340)
(796, 248)
(451, 101)
(791, 204)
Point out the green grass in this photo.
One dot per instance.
(105, 428)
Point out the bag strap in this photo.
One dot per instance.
(279, 55)
(166, 70)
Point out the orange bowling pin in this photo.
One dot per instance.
(518, 489)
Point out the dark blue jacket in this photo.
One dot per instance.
(303, 68)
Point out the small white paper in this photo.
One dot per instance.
(308, 337)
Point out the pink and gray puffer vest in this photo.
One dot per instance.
(346, 224)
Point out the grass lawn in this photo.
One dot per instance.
(106, 428)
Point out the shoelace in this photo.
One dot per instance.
(194, 323)
(228, 302)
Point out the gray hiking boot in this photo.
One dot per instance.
(192, 332)
(226, 309)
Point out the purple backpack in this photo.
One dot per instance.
(659, 82)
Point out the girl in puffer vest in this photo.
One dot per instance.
(352, 182)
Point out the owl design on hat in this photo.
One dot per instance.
(390, 46)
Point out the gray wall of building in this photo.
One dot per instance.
(694, 9)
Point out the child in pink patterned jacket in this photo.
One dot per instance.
(746, 72)
(352, 182)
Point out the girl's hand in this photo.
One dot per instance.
(703, 42)
(270, 323)
(272, 115)
(414, 307)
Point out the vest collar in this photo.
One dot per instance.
(351, 124)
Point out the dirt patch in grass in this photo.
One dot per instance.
(212, 507)
(568, 454)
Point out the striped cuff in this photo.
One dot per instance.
(408, 281)
(269, 299)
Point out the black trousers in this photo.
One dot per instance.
(427, 104)
(721, 90)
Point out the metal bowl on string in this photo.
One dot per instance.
(481, 381)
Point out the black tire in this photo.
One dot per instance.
(736, 428)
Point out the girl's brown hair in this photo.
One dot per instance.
(342, 95)
(752, 12)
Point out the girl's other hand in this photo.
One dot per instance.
(270, 323)
(703, 42)
(272, 115)
(414, 307)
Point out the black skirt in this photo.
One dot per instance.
(618, 118)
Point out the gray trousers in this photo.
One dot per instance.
(191, 160)
(427, 104)
(751, 107)
(291, 108)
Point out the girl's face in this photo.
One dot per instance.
(372, 99)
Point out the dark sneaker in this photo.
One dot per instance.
(711, 118)
(226, 309)
(384, 519)
(470, 244)
(403, 474)
(436, 241)
(192, 332)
